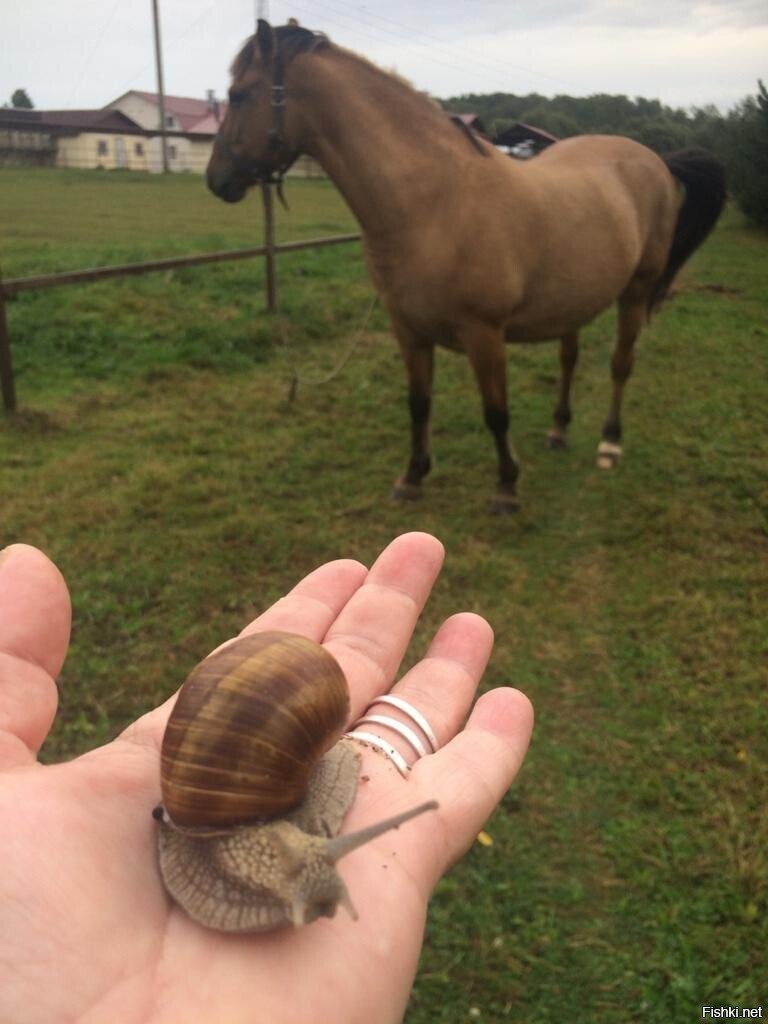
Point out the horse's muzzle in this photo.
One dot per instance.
(230, 189)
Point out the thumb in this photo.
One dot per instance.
(35, 618)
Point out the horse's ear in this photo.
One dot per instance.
(265, 37)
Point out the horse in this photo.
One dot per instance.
(468, 248)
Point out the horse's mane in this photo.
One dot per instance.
(290, 40)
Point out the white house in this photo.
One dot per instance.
(73, 138)
(193, 123)
(190, 125)
(122, 134)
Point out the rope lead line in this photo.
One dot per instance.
(297, 378)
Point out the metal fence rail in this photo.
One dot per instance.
(269, 250)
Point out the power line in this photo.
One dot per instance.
(408, 33)
(376, 37)
(90, 56)
(169, 45)
(458, 59)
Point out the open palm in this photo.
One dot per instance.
(87, 932)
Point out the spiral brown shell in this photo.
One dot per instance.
(250, 724)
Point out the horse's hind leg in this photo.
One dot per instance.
(489, 361)
(632, 317)
(419, 360)
(569, 353)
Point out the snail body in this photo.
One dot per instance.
(256, 782)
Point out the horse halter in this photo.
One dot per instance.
(275, 174)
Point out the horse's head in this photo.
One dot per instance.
(255, 142)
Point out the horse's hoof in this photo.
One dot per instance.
(403, 491)
(608, 455)
(556, 442)
(505, 504)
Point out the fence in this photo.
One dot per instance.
(270, 250)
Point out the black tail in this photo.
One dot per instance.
(703, 177)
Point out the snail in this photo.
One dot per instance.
(256, 780)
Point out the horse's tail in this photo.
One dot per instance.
(703, 177)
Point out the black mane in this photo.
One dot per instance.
(290, 41)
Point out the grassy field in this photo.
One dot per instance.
(628, 877)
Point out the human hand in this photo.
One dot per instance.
(87, 932)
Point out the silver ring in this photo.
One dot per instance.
(373, 740)
(402, 730)
(413, 714)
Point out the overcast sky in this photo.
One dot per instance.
(85, 53)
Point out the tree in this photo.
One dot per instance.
(21, 99)
(749, 156)
(661, 134)
(648, 121)
(710, 129)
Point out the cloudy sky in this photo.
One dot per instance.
(84, 53)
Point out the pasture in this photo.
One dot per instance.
(157, 460)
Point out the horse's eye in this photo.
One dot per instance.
(237, 97)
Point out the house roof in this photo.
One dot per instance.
(195, 116)
(473, 121)
(208, 126)
(522, 132)
(63, 121)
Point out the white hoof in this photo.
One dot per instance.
(608, 454)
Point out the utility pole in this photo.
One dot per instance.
(262, 11)
(160, 87)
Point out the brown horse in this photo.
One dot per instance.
(468, 248)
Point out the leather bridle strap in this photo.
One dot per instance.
(277, 139)
(277, 102)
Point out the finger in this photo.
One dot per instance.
(469, 776)
(308, 609)
(441, 688)
(365, 618)
(35, 618)
(314, 603)
(371, 633)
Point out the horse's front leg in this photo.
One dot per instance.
(569, 353)
(486, 351)
(419, 362)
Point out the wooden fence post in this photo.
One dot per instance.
(269, 245)
(6, 365)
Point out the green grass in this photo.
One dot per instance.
(627, 880)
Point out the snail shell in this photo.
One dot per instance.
(250, 724)
(256, 783)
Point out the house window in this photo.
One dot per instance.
(172, 152)
(102, 148)
(169, 120)
(139, 149)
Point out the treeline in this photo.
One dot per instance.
(649, 121)
(739, 138)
